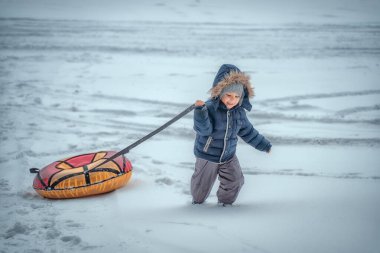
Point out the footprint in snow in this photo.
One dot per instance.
(71, 239)
(18, 228)
(164, 181)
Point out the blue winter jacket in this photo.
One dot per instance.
(217, 127)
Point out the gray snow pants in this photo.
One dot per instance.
(230, 177)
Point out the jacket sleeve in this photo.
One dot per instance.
(202, 122)
(251, 136)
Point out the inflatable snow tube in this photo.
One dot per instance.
(78, 176)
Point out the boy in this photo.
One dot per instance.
(218, 122)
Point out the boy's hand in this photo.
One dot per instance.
(199, 103)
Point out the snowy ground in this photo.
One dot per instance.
(84, 76)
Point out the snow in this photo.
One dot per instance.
(86, 76)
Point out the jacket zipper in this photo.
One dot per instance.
(225, 137)
(209, 140)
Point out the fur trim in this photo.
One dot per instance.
(233, 77)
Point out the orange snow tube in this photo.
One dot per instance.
(78, 176)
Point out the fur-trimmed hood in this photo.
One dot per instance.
(229, 74)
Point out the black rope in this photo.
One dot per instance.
(138, 142)
(86, 174)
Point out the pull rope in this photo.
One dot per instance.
(146, 137)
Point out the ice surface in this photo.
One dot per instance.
(85, 76)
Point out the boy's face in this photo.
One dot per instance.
(230, 99)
